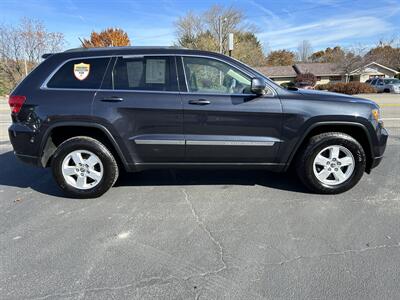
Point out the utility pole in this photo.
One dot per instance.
(26, 67)
(220, 33)
(230, 43)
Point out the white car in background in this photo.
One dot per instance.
(386, 85)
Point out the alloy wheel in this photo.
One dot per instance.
(82, 169)
(334, 165)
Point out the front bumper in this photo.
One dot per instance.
(380, 147)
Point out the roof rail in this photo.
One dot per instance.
(122, 47)
(47, 55)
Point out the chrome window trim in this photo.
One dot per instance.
(48, 78)
(226, 62)
(109, 90)
(184, 75)
(143, 56)
(146, 91)
(139, 91)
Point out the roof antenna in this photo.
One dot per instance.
(83, 45)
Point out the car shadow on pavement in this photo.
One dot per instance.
(17, 174)
(14, 173)
(283, 181)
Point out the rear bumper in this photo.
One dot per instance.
(26, 147)
(32, 160)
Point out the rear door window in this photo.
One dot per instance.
(152, 73)
(80, 74)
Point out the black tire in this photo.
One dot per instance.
(386, 91)
(110, 166)
(304, 164)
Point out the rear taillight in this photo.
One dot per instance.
(16, 103)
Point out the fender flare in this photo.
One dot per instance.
(104, 129)
(324, 123)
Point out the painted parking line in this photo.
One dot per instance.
(390, 105)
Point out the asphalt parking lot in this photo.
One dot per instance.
(201, 234)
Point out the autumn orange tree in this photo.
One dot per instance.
(110, 37)
(281, 58)
(384, 54)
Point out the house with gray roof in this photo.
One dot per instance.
(327, 72)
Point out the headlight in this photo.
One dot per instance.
(376, 114)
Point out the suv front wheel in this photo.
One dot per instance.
(84, 168)
(331, 163)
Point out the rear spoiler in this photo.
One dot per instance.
(47, 55)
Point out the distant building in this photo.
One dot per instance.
(326, 72)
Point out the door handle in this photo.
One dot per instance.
(112, 99)
(199, 102)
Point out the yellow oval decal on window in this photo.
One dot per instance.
(81, 71)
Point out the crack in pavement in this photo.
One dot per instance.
(137, 285)
(218, 244)
(344, 252)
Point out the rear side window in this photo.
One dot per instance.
(80, 74)
(143, 73)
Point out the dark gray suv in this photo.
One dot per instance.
(89, 113)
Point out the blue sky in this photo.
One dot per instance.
(281, 24)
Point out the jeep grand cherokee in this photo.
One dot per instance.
(88, 113)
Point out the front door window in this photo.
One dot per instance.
(204, 75)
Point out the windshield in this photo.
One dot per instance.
(391, 81)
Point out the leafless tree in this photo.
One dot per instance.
(188, 27)
(217, 22)
(221, 21)
(210, 31)
(304, 51)
(352, 59)
(22, 46)
(386, 52)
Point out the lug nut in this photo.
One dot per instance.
(329, 169)
(336, 169)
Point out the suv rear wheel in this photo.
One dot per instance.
(84, 168)
(331, 163)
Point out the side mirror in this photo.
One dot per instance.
(258, 86)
